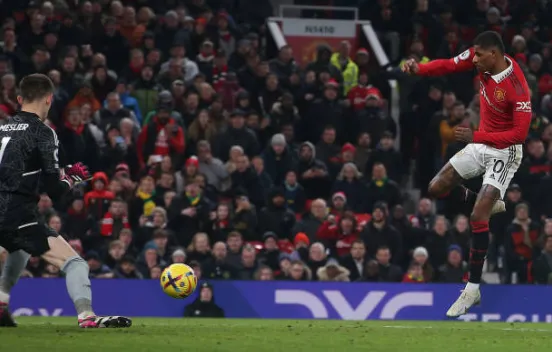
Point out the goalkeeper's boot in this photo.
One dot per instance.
(498, 207)
(94, 321)
(466, 300)
(6, 320)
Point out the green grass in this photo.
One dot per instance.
(175, 335)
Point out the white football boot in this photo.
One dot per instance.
(466, 300)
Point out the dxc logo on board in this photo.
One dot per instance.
(371, 301)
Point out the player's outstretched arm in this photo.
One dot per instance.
(460, 63)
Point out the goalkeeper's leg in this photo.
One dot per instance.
(62, 255)
(13, 267)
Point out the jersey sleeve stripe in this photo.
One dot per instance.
(56, 141)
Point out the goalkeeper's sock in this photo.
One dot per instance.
(78, 284)
(13, 267)
(478, 251)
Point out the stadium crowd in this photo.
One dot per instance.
(208, 149)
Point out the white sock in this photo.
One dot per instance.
(86, 314)
(471, 287)
(4, 297)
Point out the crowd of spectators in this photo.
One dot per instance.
(207, 149)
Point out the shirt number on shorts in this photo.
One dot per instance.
(498, 166)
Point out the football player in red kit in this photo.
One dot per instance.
(494, 151)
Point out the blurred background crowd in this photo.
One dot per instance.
(211, 146)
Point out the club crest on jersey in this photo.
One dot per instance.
(499, 94)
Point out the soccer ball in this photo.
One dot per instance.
(178, 280)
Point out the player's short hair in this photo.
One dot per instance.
(488, 40)
(35, 87)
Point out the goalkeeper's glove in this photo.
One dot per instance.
(75, 174)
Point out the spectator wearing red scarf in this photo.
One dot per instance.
(133, 71)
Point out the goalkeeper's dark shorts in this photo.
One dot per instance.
(29, 234)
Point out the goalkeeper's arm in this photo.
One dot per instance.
(57, 181)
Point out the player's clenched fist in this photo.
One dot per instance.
(410, 66)
(463, 134)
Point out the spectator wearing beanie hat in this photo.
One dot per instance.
(455, 269)
(278, 159)
(339, 203)
(188, 173)
(204, 305)
(348, 153)
(301, 243)
(164, 99)
(420, 256)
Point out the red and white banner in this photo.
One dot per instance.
(305, 35)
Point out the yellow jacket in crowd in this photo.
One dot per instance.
(350, 73)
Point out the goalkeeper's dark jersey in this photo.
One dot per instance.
(28, 155)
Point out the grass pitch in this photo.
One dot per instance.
(63, 335)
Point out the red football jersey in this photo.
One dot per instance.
(504, 98)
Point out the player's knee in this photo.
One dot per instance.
(435, 189)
